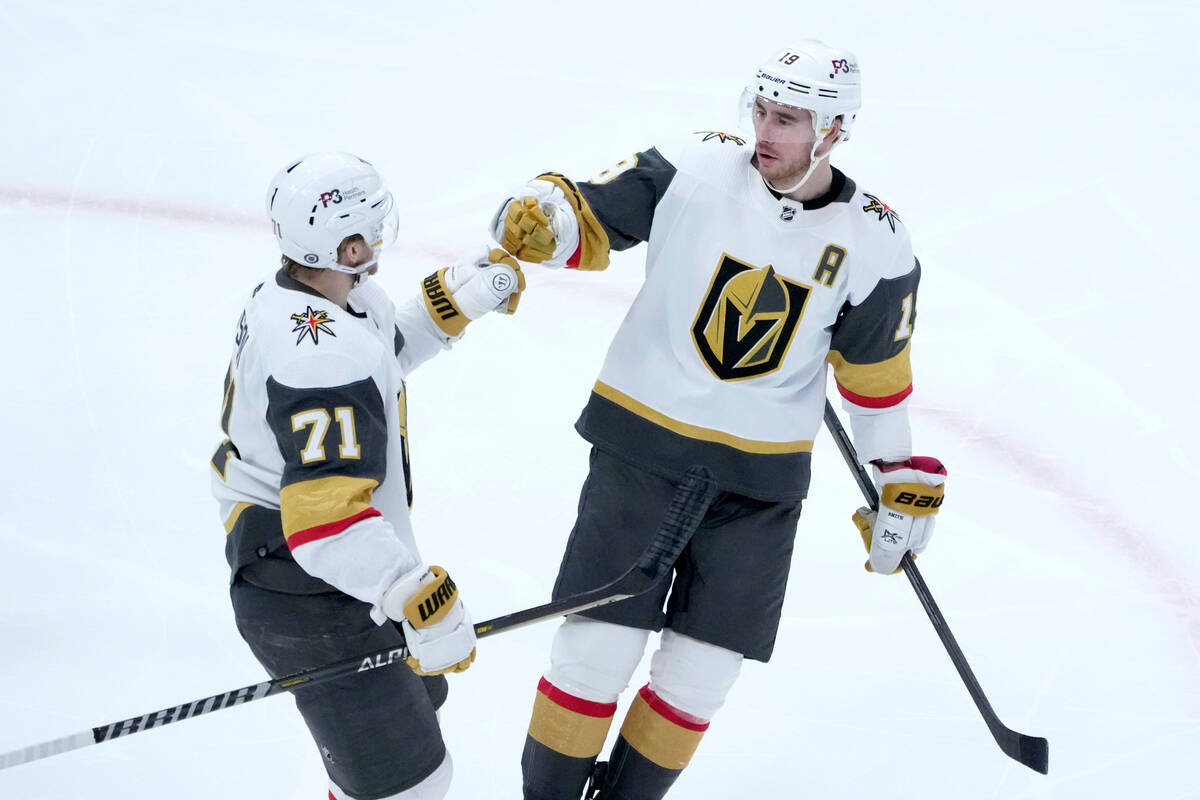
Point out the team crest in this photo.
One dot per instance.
(881, 208)
(311, 323)
(722, 137)
(747, 320)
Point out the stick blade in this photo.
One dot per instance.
(1032, 751)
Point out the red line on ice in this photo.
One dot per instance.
(171, 212)
(177, 212)
(1099, 514)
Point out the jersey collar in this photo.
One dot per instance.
(841, 189)
(791, 214)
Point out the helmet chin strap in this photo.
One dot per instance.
(360, 271)
(813, 161)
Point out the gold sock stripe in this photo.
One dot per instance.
(661, 733)
(578, 731)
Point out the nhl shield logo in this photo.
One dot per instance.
(747, 320)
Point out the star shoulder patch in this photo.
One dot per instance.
(721, 136)
(881, 208)
(311, 323)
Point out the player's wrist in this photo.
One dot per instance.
(402, 590)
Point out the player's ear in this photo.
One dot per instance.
(834, 132)
(353, 251)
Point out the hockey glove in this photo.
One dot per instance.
(437, 628)
(527, 232)
(456, 295)
(492, 281)
(910, 494)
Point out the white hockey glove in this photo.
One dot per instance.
(910, 494)
(456, 295)
(437, 628)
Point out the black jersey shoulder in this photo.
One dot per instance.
(323, 431)
(624, 204)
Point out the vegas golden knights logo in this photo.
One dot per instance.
(747, 320)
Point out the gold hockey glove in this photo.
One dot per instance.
(527, 233)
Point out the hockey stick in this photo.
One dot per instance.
(1032, 751)
(686, 511)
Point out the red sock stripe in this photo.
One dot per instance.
(329, 528)
(874, 402)
(671, 713)
(570, 702)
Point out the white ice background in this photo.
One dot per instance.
(1043, 155)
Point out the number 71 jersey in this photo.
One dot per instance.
(314, 412)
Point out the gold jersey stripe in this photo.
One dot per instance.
(695, 431)
(565, 731)
(881, 379)
(668, 745)
(232, 519)
(308, 504)
(593, 239)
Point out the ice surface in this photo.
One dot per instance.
(1041, 153)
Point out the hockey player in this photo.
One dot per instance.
(314, 484)
(764, 263)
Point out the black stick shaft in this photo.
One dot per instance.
(688, 506)
(1031, 751)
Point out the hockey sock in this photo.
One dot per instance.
(566, 734)
(657, 741)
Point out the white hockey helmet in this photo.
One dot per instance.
(812, 76)
(317, 201)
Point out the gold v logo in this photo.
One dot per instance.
(746, 321)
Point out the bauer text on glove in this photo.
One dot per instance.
(910, 494)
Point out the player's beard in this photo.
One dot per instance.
(780, 171)
(792, 175)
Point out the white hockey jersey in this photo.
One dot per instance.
(315, 416)
(721, 359)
